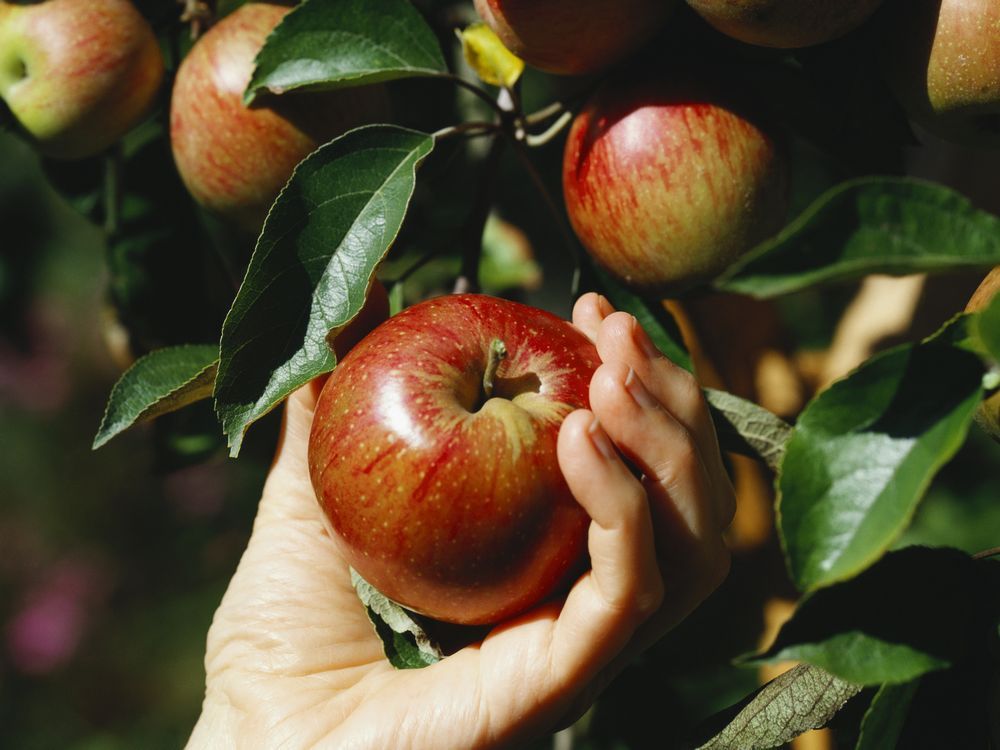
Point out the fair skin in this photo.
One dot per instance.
(292, 659)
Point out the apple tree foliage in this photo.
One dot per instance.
(885, 635)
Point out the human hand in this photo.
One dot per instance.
(292, 660)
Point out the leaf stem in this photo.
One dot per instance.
(466, 128)
(479, 92)
(987, 553)
(551, 132)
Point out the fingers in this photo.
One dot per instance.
(659, 445)
(588, 313)
(621, 339)
(624, 586)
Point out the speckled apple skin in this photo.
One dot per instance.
(574, 36)
(458, 512)
(666, 186)
(942, 60)
(77, 74)
(785, 24)
(235, 159)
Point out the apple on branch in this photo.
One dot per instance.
(433, 456)
(942, 60)
(574, 36)
(235, 159)
(666, 183)
(784, 24)
(77, 74)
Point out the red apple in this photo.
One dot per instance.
(942, 60)
(785, 23)
(666, 184)
(77, 74)
(235, 159)
(573, 36)
(449, 501)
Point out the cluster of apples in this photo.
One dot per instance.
(697, 181)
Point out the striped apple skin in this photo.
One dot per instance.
(665, 186)
(450, 506)
(574, 36)
(235, 159)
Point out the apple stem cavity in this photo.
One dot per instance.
(498, 353)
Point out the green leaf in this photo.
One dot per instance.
(907, 615)
(329, 44)
(885, 717)
(748, 429)
(652, 316)
(803, 698)
(863, 453)
(406, 644)
(329, 229)
(871, 225)
(160, 382)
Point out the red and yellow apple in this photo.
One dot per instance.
(942, 60)
(666, 184)
(573, 36)
(235, 159)
(77, 74)
(784, 23)
(988, 413)
(434, 459)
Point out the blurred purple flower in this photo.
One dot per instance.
(46, 632)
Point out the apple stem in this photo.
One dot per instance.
(498, 353)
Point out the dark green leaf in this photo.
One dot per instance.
(870, 225)
(325, 235)
(885, 716)
(907, 615)
(406, 644)
(652, 316)
(162, 381)
(748, 429)
(801, 699)
(328, 44)
(863, 453)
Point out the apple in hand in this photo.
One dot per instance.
(784, 23)
(433, 456)
(988, 413)
(77, 74)
(666, 184)
(573, 36)
(235, 159)
(942, 60)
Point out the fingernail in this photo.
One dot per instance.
(600, 439)
(638, 391)
(604, 307)
(643, 341)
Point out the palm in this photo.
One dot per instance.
(293, 660)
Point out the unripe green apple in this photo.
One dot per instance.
(785, 24)
(436, 468)
(573, 36)
(235, 159)
(666, 184)
(988, 413)
(942, 60)
(77, 74)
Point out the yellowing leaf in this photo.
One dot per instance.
(485, 53)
